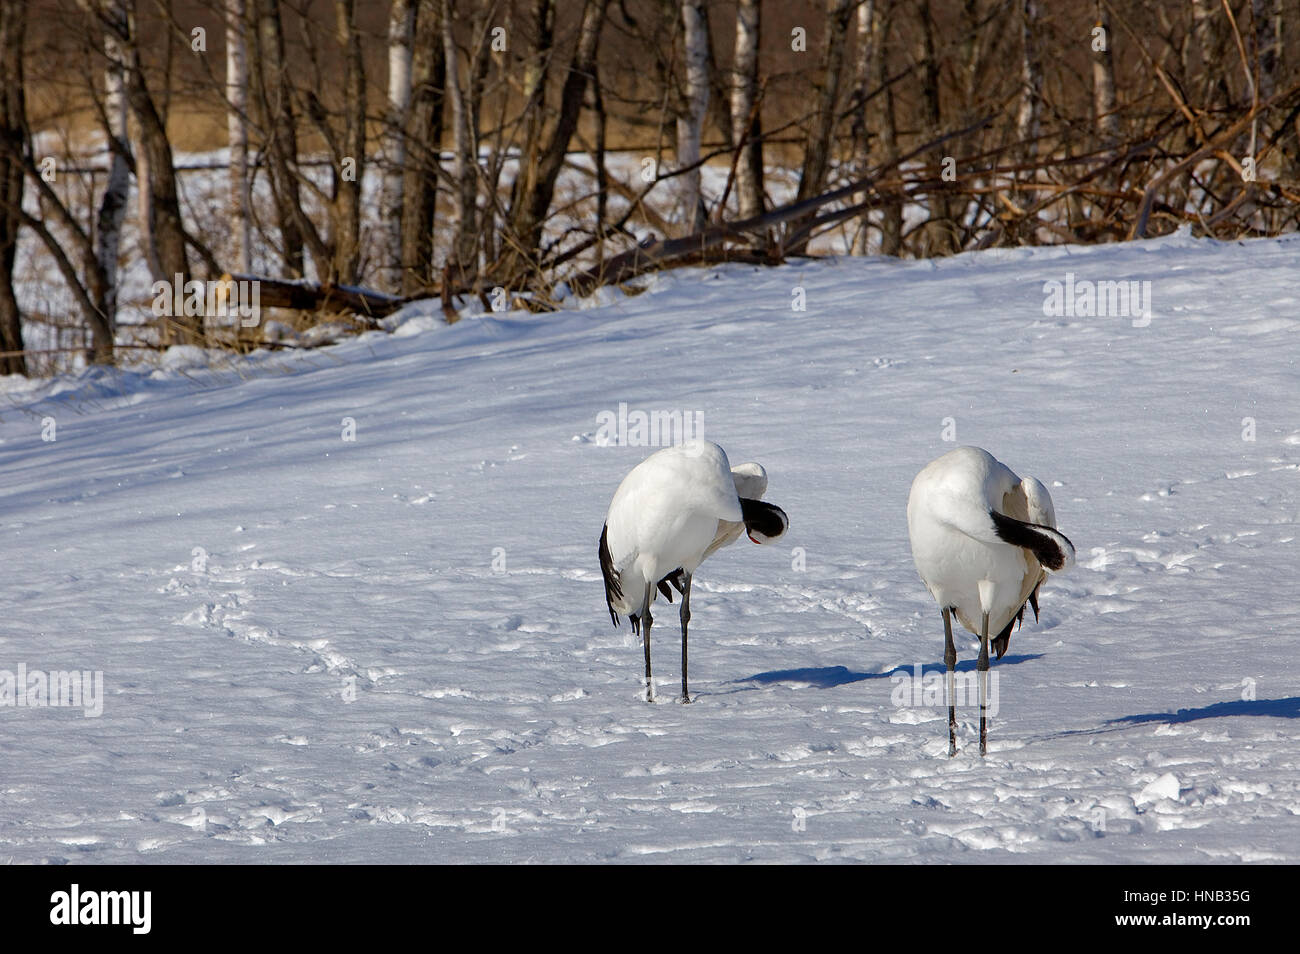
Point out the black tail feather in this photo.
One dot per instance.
(613, 585)
(1031, 536)
(1003, 639)
(767, 520)
(676, 579)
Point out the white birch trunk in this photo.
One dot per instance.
(237, 130)
(691, 121)
(401, 34)
(117, 192)
(749, 172)
(465, 159)
(1031, 78)
(863, 69)
(1103, 83)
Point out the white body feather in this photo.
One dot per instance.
(675, 508)
(955, 543)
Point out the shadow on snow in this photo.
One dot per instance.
(1288, 708)
(828, 677)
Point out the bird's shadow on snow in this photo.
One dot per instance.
(1288, 708)
(828, 677)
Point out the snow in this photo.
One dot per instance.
(396, 649)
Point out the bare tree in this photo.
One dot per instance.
(237, 130)
(940, 234)
(464, 95)
(860, 136)
(13, 111)
(1267, 15)
(112, 207)
(536, 71)
(1031, 78)
(690, 120)
(1103, 79)
(1031, 86)
(424, 144)
(163, 229)
(817, 148)
(746, 119)
(891, 214)
(349, 167)
(279, 137)
(534, 204)
(401, 36)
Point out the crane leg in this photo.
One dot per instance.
(686, 618)
(950, 660)
(646, 620)
(983, 668)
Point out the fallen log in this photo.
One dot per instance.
(302, 295)
(658, 253)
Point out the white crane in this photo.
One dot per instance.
(671, 511)
(983, 541)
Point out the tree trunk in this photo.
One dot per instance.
(279, 134)
(237, 130)
(939, 236)
(746, 126)
(13, 22)
(891, 215)
(691, 120)
(346, 236)
(1031, 85)
(392, 200)
(524, 189)
(1268, 32)
(535, 207)
(863, 71)
(718, 111)
(425, 141)
(817, 148)
(164, 231)
(464, 119)
(1103, 82)
(1031, 79)
(112, 207)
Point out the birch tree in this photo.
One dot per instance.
(1031, 78)
(117, 190)
(237, 130)
(690, 119)
(162, 227)
(746, 125)
(1103, 79)
(401, 35)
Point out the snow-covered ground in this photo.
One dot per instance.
(396, 648)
